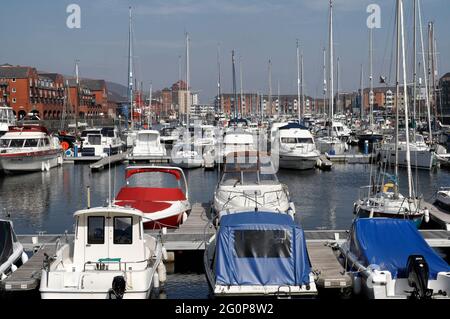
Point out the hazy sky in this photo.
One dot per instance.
(35, 33)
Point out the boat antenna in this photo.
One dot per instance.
(234, 88)
(298, 82)
(130, 69)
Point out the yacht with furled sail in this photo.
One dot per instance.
(248, 182)
(385, 200)
(29, 148)
(326, 141)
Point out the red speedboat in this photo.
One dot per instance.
(162, 207)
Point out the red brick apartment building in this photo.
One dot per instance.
(27, 91)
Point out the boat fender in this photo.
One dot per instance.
(156, 280)
(427, 215)
(2, 277)
(164, 253)
(118, 287)
(24, 257)
(162, 274)
(356, 284)
(13, 268)
(185, 216)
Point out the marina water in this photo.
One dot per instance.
(45, 202)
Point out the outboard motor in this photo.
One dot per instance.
(118, 287)
(418, 271)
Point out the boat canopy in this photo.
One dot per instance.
(6, 241)
(261, 248)
(388, 242)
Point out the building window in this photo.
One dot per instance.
(14, 79)
(14, 100)
(14, 90)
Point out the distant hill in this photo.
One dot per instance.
(117, 89)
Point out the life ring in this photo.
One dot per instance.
(65, 145)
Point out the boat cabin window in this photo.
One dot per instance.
(94, 139)
(4, 143)
(107, 131)
(32, 142)
(123, 230)
(85, 133)
(296, 140)
(262, 243)
(16, 143)
(96, 230)
(44, 142)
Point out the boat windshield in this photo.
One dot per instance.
(263, 243)
(7, 116)
(85, 133)
(16, 143)
(296, 140)
(249, 171)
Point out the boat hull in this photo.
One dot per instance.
(31, 163)
(419, 159)
(298, 162)
(363, 213)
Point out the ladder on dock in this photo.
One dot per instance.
(27, 277)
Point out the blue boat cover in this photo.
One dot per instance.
(388, 242)
(261, 248)
(292, 126)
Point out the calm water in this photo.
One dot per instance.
(323, 200)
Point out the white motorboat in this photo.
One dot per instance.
(162, 206)
(389, 259)
(235, 140)
(148, 144)
(331, 145)
(443, 198)
(248, 182)
(110, 257)
(7, 119)
(187, 155)
(258, 254)
(296, 147)
(101, 142)
(421, 157)
(12, 255)
(170, 135)
(29, 148)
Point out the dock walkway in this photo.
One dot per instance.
(113, 159)
(440, 217)
(27, 277)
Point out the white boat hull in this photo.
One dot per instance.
(298, 162)
(419, 159)
(30, 163)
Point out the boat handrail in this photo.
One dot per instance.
(120, 263)
(252, 198)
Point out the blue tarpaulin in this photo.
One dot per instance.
(293, 126)
(261, 248)
(388, 242)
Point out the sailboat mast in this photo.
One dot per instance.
(405, 94)
(150, 106)
(397, 87)
(188, 92)
(427, 96)
(130, 70)
(270, 87)
(361, 94)
(278, 98)
(302, 93)
(331, 69)
(234, 88)
(371, 93)
(219, 93)
(337, 87)
(298, 82)
(324, 80)
(241, 86)
(415, 68)
(78, 97)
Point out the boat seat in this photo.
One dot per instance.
(150, 194)
(144, 206)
